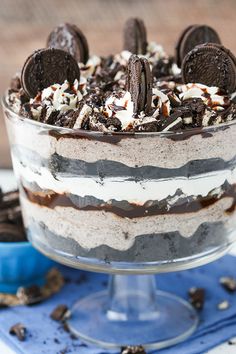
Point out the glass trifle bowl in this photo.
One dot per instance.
(131, 204)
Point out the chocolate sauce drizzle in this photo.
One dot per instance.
(110, 138)
(116, 138)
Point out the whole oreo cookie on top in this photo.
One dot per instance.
(193, 36)
(139, 83)
(135, 36)
(210, 64)
(46, 67)
(70, 38)
(178, 44)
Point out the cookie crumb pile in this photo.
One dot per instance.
(141, 89)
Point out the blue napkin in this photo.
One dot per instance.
(47, 336)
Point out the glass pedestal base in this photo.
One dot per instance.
(132, 313)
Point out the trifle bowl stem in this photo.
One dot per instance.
(132, 312)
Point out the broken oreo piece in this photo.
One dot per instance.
(67, 119)
(197, 297)
(193, 36)
(162, 68)
(135, 36)
(211, 65)
(137, 349)
(46, 67)
(139, 83)
(18, 330)
(11, 224)
(228, 283)
(172, 123)
(59, 313)
(151, 126)
(71, 39)
(113, 122)
(30, 296)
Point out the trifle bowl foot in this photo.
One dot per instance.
(132, 312)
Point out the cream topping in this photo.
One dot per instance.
(58, 97)
(90, 67)
(121, 108)
(209, 95)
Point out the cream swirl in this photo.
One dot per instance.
(122, 108)
(58, 97)
(211, 96)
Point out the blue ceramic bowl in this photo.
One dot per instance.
(21, 265)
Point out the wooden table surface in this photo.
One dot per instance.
(24, 25)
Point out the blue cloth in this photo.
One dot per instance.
(47, 336)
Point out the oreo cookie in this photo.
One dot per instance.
(30, 295)
(137, 349)
(11, 224)
(18, 330)
(228, 284)
(139, 83)
(71, 39)
(197, 297)
(210, 64)
(11, 233)
(46, 67)
(172, 123)
(135, 36)
(194, 35)
(177, 47)
(59, 313)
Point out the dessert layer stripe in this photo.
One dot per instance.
(52, 200)
(145, 150)
(146, 248)
(120, 189)
(60, 165)
(96, 227)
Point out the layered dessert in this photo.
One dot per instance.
(130, 157)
